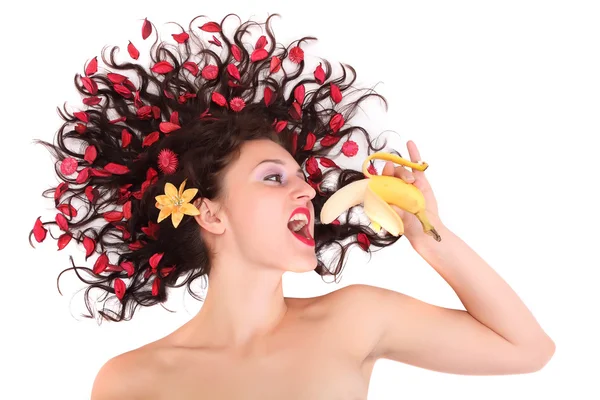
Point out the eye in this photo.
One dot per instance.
(274, 175)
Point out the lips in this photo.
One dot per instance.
(306, 212)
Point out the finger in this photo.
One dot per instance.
(415, 156)
(399, 172)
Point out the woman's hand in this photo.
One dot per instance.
(413, 229)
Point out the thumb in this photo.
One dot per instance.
(388, 169)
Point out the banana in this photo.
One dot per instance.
(377, 193)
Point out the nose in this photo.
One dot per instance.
(304, 190)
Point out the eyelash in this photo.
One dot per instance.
(280, 176)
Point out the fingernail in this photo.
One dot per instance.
(411, 178)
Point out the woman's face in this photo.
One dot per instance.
(262, 195)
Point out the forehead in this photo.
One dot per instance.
(255, 151)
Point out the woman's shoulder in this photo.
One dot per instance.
(125, 376)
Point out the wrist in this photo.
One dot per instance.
(425, 241)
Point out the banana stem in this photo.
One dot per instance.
(420, 166)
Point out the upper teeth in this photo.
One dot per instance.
(303, 220)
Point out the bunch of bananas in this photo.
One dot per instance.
(377, 192)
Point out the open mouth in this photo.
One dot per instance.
(303, 231)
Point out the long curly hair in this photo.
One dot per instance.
(185, 118)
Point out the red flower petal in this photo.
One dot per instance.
(116, 78)
(92, 101)
(258, 55)
(127, 210)
(156, 112)
(268, 96)
(151, 230)
(123, 90)
(350, 148)
(210, 72)
(211, 27)
(146, 29)
(61, 221)
(162, 67)
(168, 127)
(99, 172)
(371, 169)
(181, 37)
(174, 118)
(83, 175)
(310, 141)
(92, 67)
(150, 139)
(91, 193)
(82, 116)
(155, 259)
(329, 140)
(90, 153)
(237, 53)
(219, 99)
(319, 74)
(327, 162)
(116, 169)
(237, 104)
(299, 92)
(137, 245)
(192, 67)
(336, 222)
(39, 232)
(125, 233)
(113, 216)
(168, 95)
(120, 288)
(127, 267)
(117, 120)
(68, 166)
(155, 286)
(336, 122)
(80, 128)
(296, 55)
(295, 111)
(60, 190)
(90, 245)
(215, 41)
(280, 125)
(166, 271)
(63, 240)
(125, 138)
(363, 241)
(336, 94)
(275, 64)
(312, 165)
(233, 71)
(261, 42)
(133, 51)
(90, 85)
(101, 264)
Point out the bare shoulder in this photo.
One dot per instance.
(124, 377)
(353, 314)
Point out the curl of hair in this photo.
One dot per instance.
(208, 139)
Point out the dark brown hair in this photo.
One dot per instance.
(106, 201)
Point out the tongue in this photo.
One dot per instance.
(305, 232)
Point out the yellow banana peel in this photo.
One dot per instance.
(377, 193)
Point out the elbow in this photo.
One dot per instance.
(542, 355)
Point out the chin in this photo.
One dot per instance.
(305, 264)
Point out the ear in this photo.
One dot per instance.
(208, 218)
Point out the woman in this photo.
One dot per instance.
(194, 168)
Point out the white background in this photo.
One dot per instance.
(502, 98)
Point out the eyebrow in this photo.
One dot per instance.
(280, 162)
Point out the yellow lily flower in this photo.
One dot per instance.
(176, 203)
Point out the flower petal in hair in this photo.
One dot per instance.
(176, 203)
